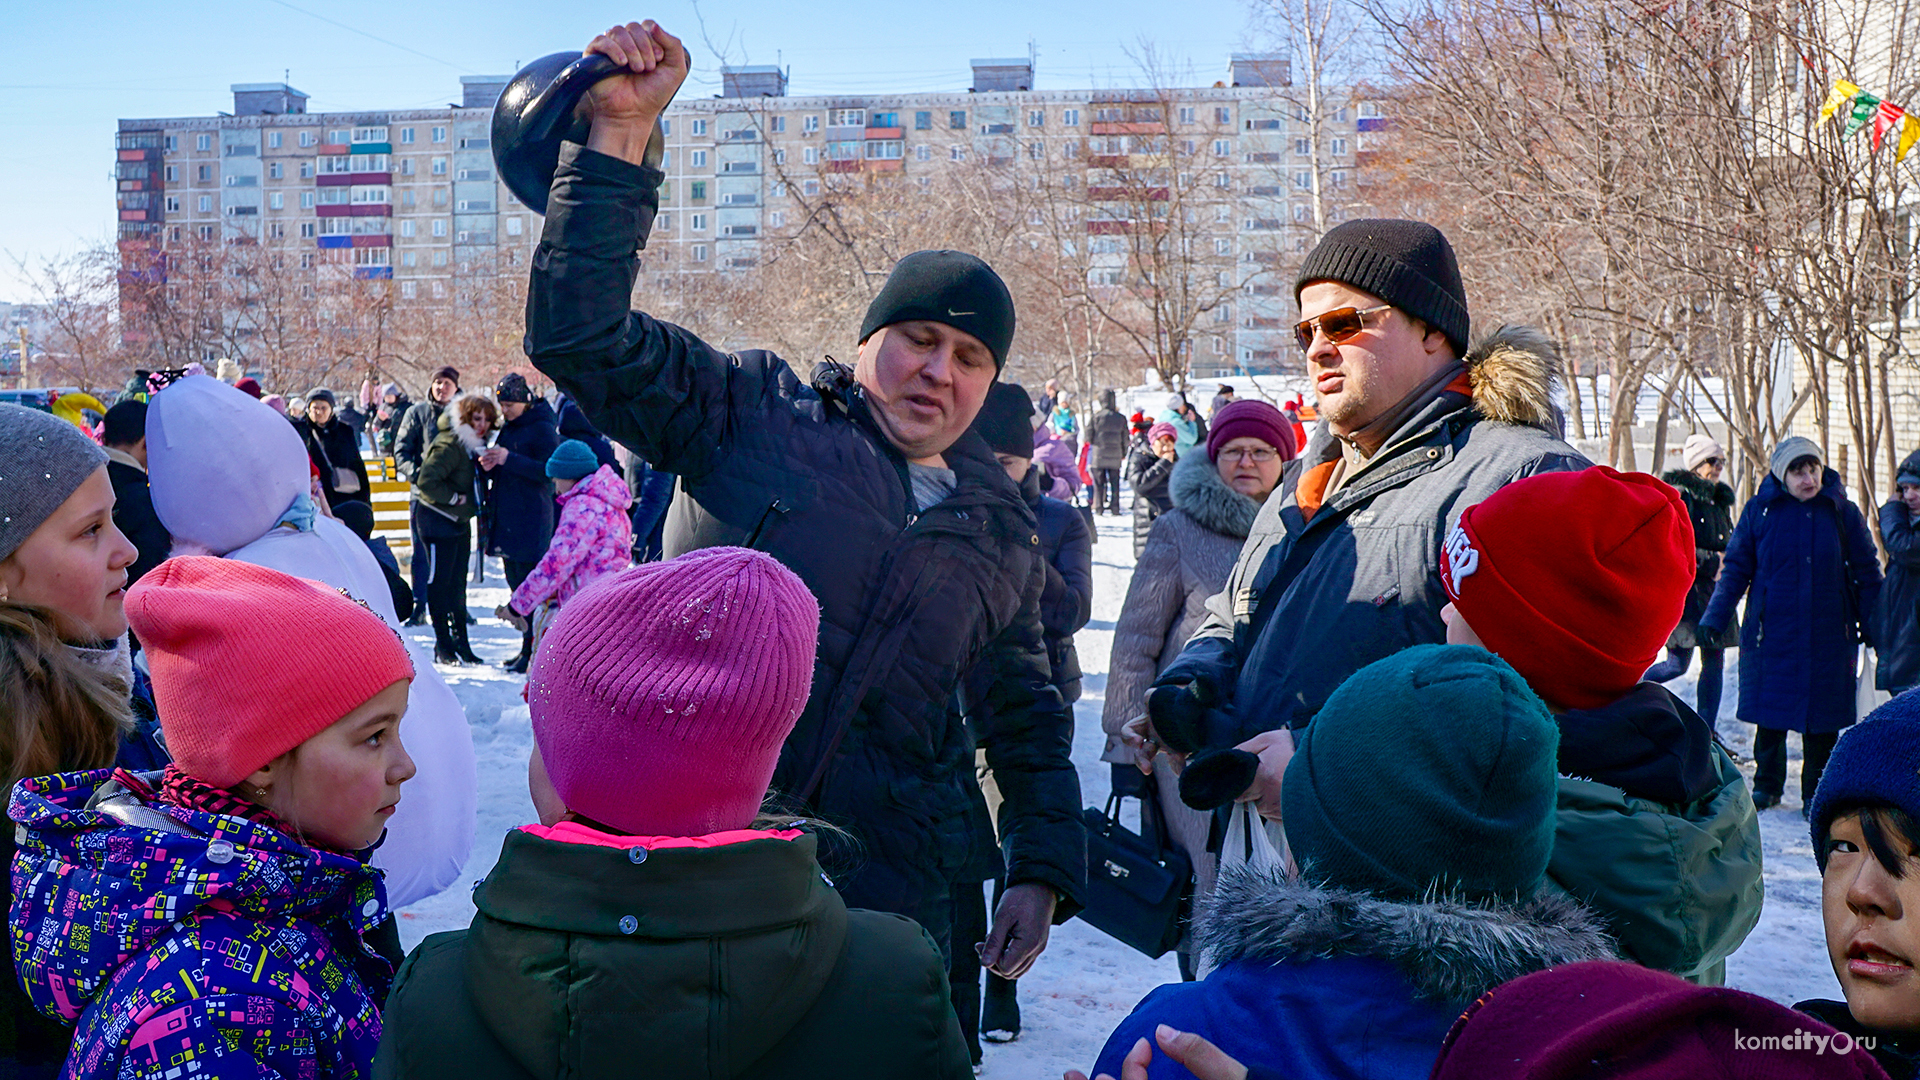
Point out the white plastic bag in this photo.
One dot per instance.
(1866, 697)
(1254, 842)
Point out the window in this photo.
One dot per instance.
(278, 231)
(406, 198)
(884, 119)
(1223, 213)
(171, 143)
(439, 259)
(697, 191)
(957, 152)
(371, 194)
(1071, 148)
(699, 126)
(810, 187)
(439, 226)
(811, 155)
(173, 204)
(203, 142)
(276, 201)
(1301, 147)
(1070, 117)
(1299, 213)
(777, 125)
(1223, 313)
(699, 253)
(206, 204)
(697, 222)
(1303, 179)
(1036, 150)
(439, 134)
(172, 174)
(777, 190)
(1222, 115)
(306, 138)
(406, 228)
(923, 121)
(306, 230)
(1186, 147)
(439, 166)
(847, 118)
(440, 196)
(779, 157)
(306, 260)
(1186, 114)
(1339, 177)
(406, 166)
(777, 218)
(957, 120)
(1221, 148)
(515, 226)
(923, 152)
(663, 223)
(275, 170)
(666, 161)
(409, 259)
(885, 149)
(1339, 148)
(699, 159)
(1036, 118)
(926, 184)
(810, 123)
(204, 173)
(273, 140)
(406, 135)
(1222, 246)
(306, 170)
(306, 200)
(407, 289)
(666, 126)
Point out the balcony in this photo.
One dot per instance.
(373, 273)
(740, 168)
(740, 135)
(1112, 128)
(1127, 194)
(351, 179)
(886, 133)
(354, 210)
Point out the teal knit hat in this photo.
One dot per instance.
(1431, 770)
(572, 460)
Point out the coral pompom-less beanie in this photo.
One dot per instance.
(1574, 578)
(248, 663)
(661, 695)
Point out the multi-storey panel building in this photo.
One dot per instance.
(412, 195)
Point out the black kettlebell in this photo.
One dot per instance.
(543, 106)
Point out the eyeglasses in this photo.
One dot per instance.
(1714, 461)
(1339, 325)
(1258, 454)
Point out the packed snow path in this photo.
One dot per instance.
(1087, 982)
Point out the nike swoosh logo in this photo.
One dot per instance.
(952, 314)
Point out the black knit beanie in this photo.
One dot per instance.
(1409, 264)
(513, 387)
(1006, 420)
(950, 287)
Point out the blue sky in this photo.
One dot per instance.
(70, 69)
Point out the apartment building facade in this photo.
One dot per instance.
(412, 196)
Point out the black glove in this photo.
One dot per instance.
(1214, 778)
(1179, 713)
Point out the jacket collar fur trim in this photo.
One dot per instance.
(1196, 488)
(1448, 949)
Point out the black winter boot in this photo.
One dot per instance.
(1000, 1012)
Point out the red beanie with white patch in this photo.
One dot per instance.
(249, 663)
(1574, 578)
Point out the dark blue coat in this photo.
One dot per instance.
(1811, 576)
(519, 495)
(1896, 635)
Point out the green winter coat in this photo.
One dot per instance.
(444, 481)
(1678, 878)
(738, 961)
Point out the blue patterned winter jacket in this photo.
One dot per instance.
(186, 944)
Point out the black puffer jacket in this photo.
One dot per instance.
(1897, 641)
(418, 427)
(1147, 473)
(1710, 505)
(331, 446)
(519, 495)
(910, 601)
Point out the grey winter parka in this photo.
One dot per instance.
(910, 600)
(1316, 597)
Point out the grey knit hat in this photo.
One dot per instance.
(43, 459)
(1791, 450)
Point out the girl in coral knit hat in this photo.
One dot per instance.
(215, 913)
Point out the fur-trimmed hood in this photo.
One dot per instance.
(1448, 949)
(1196, 488)
(473, 441)
(1692, 483)
(1514, 372)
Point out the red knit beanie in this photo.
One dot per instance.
(661, 695)
(248, 663)
(1606, 1020)
(1574, 578)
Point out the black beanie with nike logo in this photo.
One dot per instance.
(950, 287)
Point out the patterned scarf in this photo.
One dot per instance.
(178, 789)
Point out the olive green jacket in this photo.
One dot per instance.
(738, 961)
(445, 478)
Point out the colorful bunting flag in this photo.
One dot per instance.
(1909, 134)
(1884, 117)
(1841, 93)
(1864, 105)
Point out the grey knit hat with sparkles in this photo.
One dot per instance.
(1790, 450)
(42, 460)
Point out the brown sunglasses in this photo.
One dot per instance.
(1338, 324)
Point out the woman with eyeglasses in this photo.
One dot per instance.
(1710, 505)
(1189, 552)
(1898, 637)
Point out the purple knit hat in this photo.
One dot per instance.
(661, 695)
(1160, 429)
(1239, 419)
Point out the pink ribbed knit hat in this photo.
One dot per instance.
(249, 663)
(661, 695)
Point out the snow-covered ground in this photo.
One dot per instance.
(1087, 982)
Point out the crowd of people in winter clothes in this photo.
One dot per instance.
(859, 649)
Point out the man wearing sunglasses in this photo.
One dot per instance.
(1342, 567)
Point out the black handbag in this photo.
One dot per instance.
(1138, 887)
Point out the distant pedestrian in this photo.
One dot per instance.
(519, 493)
(1710, 506)
(1221, 399)
(335, 450)
(1108, 436)
(1148, 468)
(447, 491)
(1897, 642)
(419, 425)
